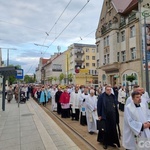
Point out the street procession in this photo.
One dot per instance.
(97, 109)
(75, 75)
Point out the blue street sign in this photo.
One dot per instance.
(19, 74)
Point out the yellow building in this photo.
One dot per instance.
(82, 56)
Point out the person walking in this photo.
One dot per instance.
(57, 100)
(108, 112)
(91, 112)
(9, 94)
(136, 123)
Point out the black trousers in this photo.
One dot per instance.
(65, 113)
(58, 108)
(76, 114)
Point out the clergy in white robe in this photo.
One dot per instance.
(136, 123)
(75, 103)
(91, 112)
(54, 104)
(83, 98)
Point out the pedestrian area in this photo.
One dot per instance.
(30, 128)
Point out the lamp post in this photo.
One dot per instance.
(8, 53)
(146, 14)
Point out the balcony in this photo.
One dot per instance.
(105, 29)
(79, 51)
(111, 67)
(132, 17)
(79, 60)
(123, 23)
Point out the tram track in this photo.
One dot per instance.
(78, 139)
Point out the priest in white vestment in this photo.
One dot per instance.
(83, 98)
(91, 112)
(136, 123)
(54, 104)
(75, 103)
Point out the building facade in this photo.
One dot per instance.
(82, 56)
(53, 68)
(38, 71)
(118, 43)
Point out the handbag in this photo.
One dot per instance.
(101, 125)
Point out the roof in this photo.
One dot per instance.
(44, 61)
(122, 6)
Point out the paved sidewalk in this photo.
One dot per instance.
(30, 128)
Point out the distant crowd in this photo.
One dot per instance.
(97, 107)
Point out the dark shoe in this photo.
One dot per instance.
(105, 146)
(91, 132)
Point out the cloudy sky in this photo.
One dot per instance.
(25, 22)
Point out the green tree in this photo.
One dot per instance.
(50, 79)
(130, 78)
(28, 79)
(55, 79)
(61, 77)
(12, 79)
(70, 77)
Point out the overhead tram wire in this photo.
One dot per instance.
(47, 34)
(67, 25)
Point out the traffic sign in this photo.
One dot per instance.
(19, 74)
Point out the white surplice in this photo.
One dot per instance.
(54, 104)
(91, 116)
(83, 104)
(134, 117)
(75, 100)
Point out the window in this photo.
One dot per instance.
(132, 31)
(87, 64)
(98, 63)
(123, 55)
(117, 37)
(122, 36)
(93, 57)
(93, 50)
(133, 53)
(97, 49)
(93, 64)
(87, 50)
(107, 40)
(105, 59)
(108, 58)
(118, 56)
(87, 57)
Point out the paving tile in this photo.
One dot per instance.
(37, 145)
(31, 127)
(9, 143)
(29, 132)
(10, 130)
(6, 136)
(30, 138)
(12, 148)
(11, 126)
(22, 124)
(59, 143)
(63, 148)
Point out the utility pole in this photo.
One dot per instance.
(8, 53)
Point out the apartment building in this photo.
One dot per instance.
(118, 42)
(84, 57)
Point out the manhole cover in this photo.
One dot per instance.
(29, 114)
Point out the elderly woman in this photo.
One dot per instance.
(9, 94)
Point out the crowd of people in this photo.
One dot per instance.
(98, 108)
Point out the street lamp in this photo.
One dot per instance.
(8, 54)
(41, 45)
